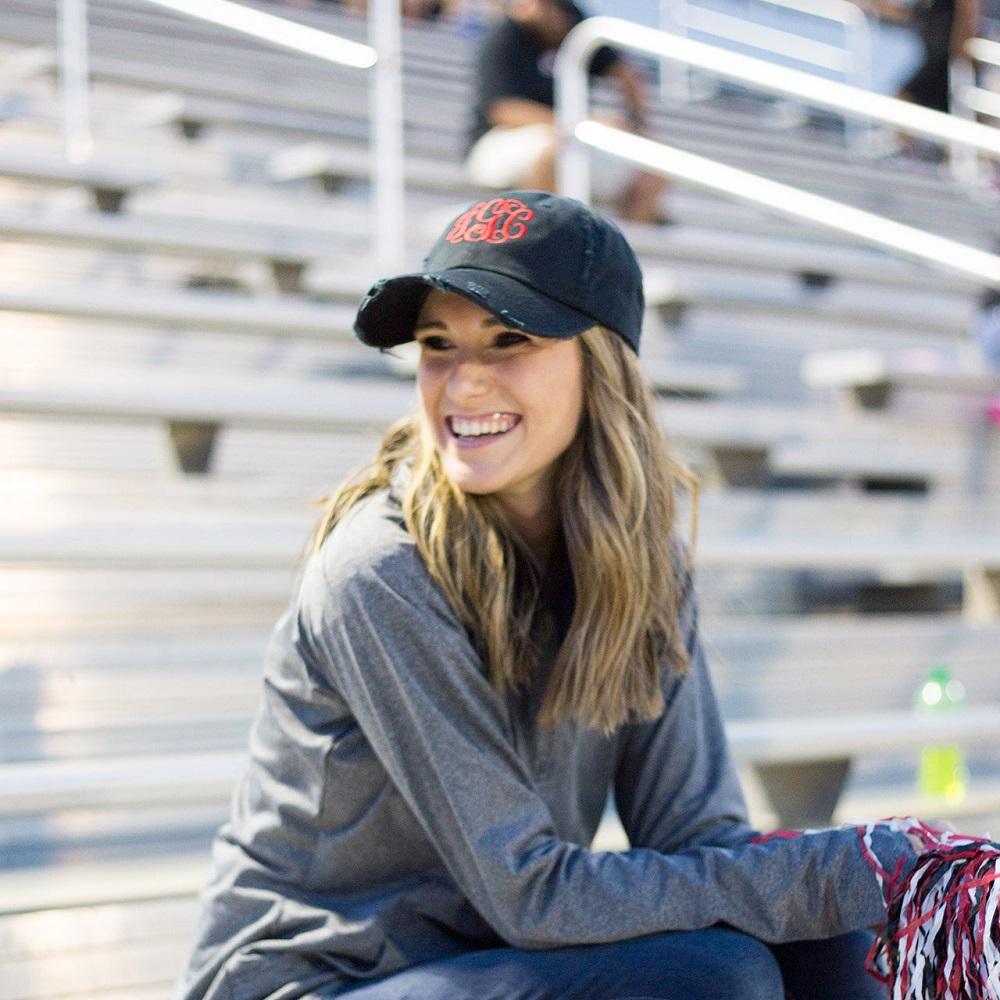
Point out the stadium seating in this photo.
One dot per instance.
(189, 278)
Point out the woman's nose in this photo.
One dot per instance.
(468, 378)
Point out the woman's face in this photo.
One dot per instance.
(502, 406)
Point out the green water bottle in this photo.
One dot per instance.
(942, 773)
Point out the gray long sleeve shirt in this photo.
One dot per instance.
(397, 810)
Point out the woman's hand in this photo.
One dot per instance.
(920, 844)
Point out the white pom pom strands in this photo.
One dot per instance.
(942, 936)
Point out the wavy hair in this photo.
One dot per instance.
(617, 493)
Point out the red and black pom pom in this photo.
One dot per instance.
(942, 936)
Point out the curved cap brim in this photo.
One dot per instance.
(388, 315)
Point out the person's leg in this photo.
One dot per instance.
(508, 157)
(637, 195)
(543, 175)
(695, 965)
(642, 199)
(829, 970)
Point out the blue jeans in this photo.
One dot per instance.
(715, 964)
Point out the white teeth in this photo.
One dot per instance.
(498, 423)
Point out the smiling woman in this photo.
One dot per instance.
(495, 629)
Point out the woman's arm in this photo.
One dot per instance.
(964, 26)
(395, 651)
(513, 112)
(631, 83)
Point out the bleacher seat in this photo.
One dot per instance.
(121, 576)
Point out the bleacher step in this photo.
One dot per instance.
(63, 886)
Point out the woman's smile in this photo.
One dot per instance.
(481, 429)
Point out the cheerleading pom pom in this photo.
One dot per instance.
(941, 940)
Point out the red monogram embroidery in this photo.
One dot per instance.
(495, 221)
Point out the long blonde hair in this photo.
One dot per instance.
(617, 493)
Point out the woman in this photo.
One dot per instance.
(944, 28)
(495, 628)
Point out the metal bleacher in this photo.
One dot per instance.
(178, 383)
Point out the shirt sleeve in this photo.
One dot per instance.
(406, 667)
(676, 784)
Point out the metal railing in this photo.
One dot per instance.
(852, 60)
(572, 90)
(967, 98)
(74, 83)
(382, 55)
(966, 92)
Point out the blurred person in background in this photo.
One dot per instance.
(944, 27)
(514, 140)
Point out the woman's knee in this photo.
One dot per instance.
(702, 965)
(744, 967)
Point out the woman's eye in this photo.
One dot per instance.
(433, 343)
(510, 338)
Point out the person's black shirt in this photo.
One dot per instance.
(512, 64)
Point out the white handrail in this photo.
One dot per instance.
(853, 60)
(983, 50)
(386, 104)
(857, 32)
(967, 94)
(572, 82)
(590, 34)
(833, 215)
(276, 30)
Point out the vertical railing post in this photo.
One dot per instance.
(572, 107)
(858, 43)
(858, 37)
(963, 160)
(675, 83)
(74, 80)
(385, 36)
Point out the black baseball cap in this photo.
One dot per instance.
(542, 263)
